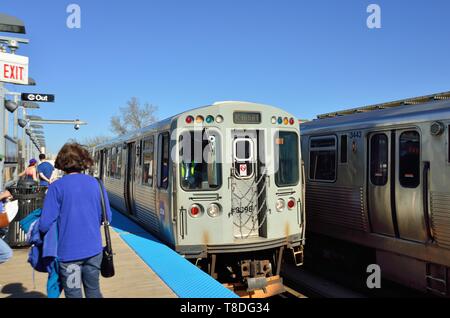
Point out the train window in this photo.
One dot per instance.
(287, 145)
(243, 149)
(200, 156)
(112, 162)
(344, 148)
(322, 159)
(163, 156)
(119, 163)
(409, 164)
(115, 162)
(106, 156)
(379, 152)
(147, 155)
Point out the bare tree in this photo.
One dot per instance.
(133, 116)
(89, 142)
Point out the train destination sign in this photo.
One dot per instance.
(35, 97)
(13, 68)
(246, 118)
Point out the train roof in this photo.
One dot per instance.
(397, 114)
(166, 122)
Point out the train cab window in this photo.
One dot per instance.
(200, 160)
(409, 164)
(322, 159)
(163, 156)
(287, 146)
(379, 152)
(147, 156)
(243, 157)
(344, 148)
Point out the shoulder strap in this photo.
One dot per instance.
(105, 218)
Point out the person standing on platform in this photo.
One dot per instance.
(45, 171)
(30, 172)
(74, 203)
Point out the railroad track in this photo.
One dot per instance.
(319, 285)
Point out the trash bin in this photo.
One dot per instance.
(31, 197)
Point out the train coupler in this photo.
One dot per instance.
(298, 255)
(255, 283)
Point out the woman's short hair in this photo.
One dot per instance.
(73, 158)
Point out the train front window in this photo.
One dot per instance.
(200, 160)
(322, 159)
(409, 169)
(287, 174)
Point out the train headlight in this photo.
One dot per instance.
(437, 128)
(213, 210)
(291, 203)
(280, 205)
(274, 120)
(196, 210)
(219, 119)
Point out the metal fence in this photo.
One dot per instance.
(31, 197)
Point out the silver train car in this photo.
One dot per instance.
(220, 184)
(379, 177)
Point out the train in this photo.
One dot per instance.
(378, 178)
(220, 184)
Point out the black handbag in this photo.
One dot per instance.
(107, 267)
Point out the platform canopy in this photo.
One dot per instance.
(11, 24)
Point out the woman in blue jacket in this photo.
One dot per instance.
(74, 202)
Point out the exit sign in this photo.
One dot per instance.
(13, 68)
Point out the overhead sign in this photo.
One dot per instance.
(35, 97)
(13, 68)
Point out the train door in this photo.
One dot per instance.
(130, 178)
(163, 198)
(409, 206)
(382, 218)
(394, 185)
(244, 184)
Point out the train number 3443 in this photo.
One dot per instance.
(355, 134)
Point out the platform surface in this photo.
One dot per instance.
(133, 279)
(145, 268)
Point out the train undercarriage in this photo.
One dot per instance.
(252, 274)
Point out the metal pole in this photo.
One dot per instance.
(24, 149)
(16, 136)
(16, 120)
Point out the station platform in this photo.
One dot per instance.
(145, 268)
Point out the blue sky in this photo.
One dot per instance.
(308, 57)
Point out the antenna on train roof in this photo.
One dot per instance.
(408, 101)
